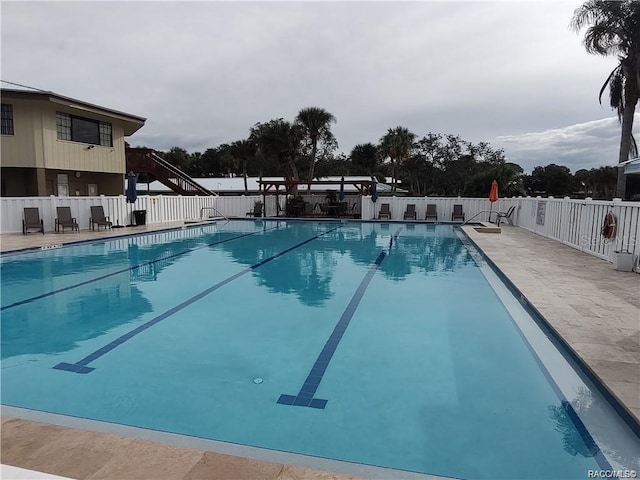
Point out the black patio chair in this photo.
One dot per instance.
(32, 220)
(457, 213)
(410, 212)
(98, 218)
(65, 220)
(431, 213)
(385, 212)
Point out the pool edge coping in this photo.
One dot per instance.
(618, 405)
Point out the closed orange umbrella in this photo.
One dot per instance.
(493, 196)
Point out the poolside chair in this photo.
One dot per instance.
(32, 220)
(257, 210)
(65, 220)
(507, 215)
(457, 213)
(410, 212)
(431, 213)
(385, 212)
(98, 218)
(308, 209)
(352, 210)
(343, 207)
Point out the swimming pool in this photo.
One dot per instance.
(385, 344)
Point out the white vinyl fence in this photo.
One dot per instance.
(576, 223)
(159, 209)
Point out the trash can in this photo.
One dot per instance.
(140, 217)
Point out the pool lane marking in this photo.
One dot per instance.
(305, 397)
(131, 268)
(81, 366)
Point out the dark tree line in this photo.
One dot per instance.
(434, 164)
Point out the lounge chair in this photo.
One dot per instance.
(343, 207)
(457, 213)
(410, 212)
(65, 219)
(32, 220)
(385, 212)
(98, 218)
(431, 213)
(352, 210)
(507, 215)
(308, 209)
(257, 210)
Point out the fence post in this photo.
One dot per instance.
(616, 207)
(564, 219)
(52, 205)
(588, 202)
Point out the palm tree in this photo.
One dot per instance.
(316, 123)
(614, 29)
(243, 151)
(397, 144)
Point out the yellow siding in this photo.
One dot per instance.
(19, 150)
(67, 155)
(35, 143)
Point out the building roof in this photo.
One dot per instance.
(631, 166)
(132, 123)
(236, 184)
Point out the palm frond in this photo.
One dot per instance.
(615, 72)
(616, 94)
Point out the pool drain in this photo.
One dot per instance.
(257, 380)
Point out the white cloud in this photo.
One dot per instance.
(585, 145)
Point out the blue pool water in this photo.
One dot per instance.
(390, 345)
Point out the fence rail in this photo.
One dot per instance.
(576, 223)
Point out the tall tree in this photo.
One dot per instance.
(315, 124)
(397, 144)
(244, 153)
(553, 180)
(178, 157)
(280, 141)
(614, 29)
(364, 158)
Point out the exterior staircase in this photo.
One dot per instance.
(145, 160)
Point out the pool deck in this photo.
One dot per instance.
(593, 307)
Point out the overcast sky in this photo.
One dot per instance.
(202, 73)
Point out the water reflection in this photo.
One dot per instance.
(616, 440)
(58, 323)
(29, 276)
(84, 308)
(76, 294)
(572, 441)
(308, 271)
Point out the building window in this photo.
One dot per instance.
(7, 119)
(105, 134)
(63, 125)
(84, 130)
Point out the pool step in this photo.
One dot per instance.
(486, 227)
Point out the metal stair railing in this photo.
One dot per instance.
(215, 210)
(480, 213)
